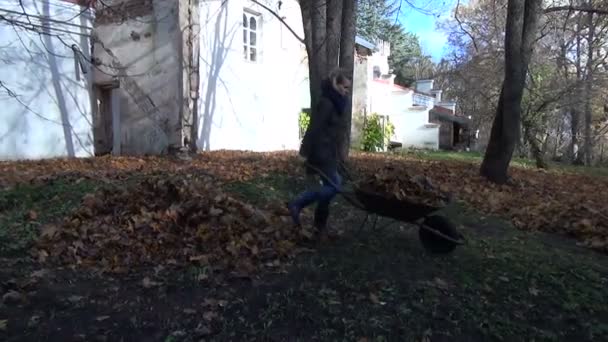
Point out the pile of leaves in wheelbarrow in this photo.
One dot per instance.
(168, 220)
(402, 186)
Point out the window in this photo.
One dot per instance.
(377, 72)
(251, 30)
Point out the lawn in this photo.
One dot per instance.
(367, 285)
(476, 158)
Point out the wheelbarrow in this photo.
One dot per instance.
(436, 233)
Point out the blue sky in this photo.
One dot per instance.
(433, 41)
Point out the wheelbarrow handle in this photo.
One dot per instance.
(344, 194)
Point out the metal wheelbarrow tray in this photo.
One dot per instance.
(436, 233)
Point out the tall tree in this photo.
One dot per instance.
(329, 36)
(589, 73)
(347, 63)
(520, 34)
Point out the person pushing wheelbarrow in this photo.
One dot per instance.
(320, 149)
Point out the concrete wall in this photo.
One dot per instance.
(46, 108)
(139, 43)
(245, 104)
(424, 86)
(380, 98)
(362, 76)
(380, 57)
(412, 127)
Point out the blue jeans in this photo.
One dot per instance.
(322, 196)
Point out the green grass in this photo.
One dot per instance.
(503, 285)
(266, 190)
(476, 157)
(26, 208)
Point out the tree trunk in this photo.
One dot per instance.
(314, 81)
(574, 112)
(520, 33)
(347, 63)
(318, 58)
(334, 27)
(535, 149)
(574, 123)
(194, 73)
(588, 149)
(329, 35)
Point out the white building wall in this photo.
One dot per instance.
(244, 104)
(419, 135)
(42, 89)
(381, 101)
(141, 49)
(380, 57)
(412, 126)
(412, 129)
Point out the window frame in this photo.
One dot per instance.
(249, 14)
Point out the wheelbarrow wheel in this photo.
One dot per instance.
(435, 243)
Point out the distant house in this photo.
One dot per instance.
(84, 77)
(422, 119)
(252, 82)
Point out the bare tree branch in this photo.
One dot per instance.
(276, 15)
(576, 9)
(13, 95)
(462, 27)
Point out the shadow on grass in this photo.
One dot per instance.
(381, 285)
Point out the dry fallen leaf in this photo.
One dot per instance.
(440, 283)
(48, 231)
(210, 315)
(32, 215)
(12, 297)
(173, 205)
(167, 225)
(534, 291)
(148, 283)
(374, 298)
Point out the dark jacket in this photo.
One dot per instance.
(320, 143)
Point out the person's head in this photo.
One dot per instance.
(340, 81)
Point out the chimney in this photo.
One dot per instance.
(437, 94)
(424, 86)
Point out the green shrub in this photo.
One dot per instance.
(375, 135)
(303, 122)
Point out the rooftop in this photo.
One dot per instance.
(363, 42)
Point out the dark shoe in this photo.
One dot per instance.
(294, 212)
